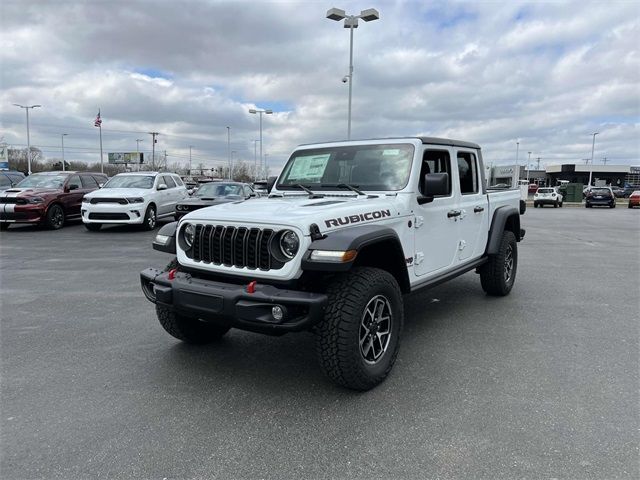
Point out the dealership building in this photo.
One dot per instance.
(619, 175)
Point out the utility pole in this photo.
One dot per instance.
(604, 160)
(538, 165)
(517, 163)
(153, 149)
(593, 146)
(528, 166)
(62, 135)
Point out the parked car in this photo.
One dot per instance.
(49, 198)
(634, 199)
(260, 187)
(140, 198)
(629, 189)
(602, 196)
(9, 179)
(533, 187)
(618, 192)
(214, 193)
(547, 196)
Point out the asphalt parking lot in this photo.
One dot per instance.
(541, 384)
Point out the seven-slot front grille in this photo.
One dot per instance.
(121, 201)
(234, 246)
(13, 200)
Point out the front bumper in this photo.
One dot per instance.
(22, 213)
(231, 305)
(132, 213)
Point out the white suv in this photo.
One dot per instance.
(135, 198)
(547, 196)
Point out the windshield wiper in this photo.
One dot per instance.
(308, 190)
(353, 188)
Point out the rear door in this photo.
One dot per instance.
(72, 196)
(472, 205)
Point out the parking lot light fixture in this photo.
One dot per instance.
(260, 111)
(528, 167)
(26, 108)
(593, 146)
(351, 22)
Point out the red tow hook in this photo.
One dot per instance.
(172, 273)
(251, 288)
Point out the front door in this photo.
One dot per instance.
(435, 231)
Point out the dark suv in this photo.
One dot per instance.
(48, 198)
(602, 196)
(9, 179)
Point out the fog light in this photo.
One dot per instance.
(277, 313)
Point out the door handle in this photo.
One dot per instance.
(478, 209)
(453, 213)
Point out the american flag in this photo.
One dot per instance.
(98, 121)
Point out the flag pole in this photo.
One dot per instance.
(101, 164)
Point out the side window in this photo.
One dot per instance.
(247, 191)
(88, 181)
(74, 180)
(4, 181)
(468, 172)
(178, 181)
(435, 161)
(15, 178)
(168, 180)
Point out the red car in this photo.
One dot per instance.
(48, 198)
(634, 199)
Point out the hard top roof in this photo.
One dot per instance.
(425, 140)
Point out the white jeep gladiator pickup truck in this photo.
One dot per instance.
(348, 228)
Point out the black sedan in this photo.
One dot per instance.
(602, 196)
(214, 193)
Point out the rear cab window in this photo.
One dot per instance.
(468, 173)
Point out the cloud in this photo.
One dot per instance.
(545, 73)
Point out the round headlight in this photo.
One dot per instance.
(189, 234)
(289, 243)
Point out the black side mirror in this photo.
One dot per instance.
(270, 183)
(72, 187)
(434, 184)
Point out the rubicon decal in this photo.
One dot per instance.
(361, 217)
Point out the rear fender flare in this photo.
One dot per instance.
(503, 218)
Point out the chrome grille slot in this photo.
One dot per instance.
(240, 247)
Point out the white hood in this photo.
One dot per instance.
(119, 192)
(328, 213)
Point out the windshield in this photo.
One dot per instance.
(130, 181)
(43, 181)
(218, 190)
(367, 167)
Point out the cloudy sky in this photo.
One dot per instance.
(546, 74)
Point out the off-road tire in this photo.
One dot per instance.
(188, 329)
(338, 335)
(54, 218)
(93, 227)
(494, 278)
(150, 218)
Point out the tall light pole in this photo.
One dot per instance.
(27, 107)
(260, 111)
(266, 167)
(229, 150)
(593, 146)
(528, 167)
(351, 22)
(190, 147)
(255, 160)
(231, 165)
(62, 135)
(153, 149)
(138, 140)
(518, 163)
